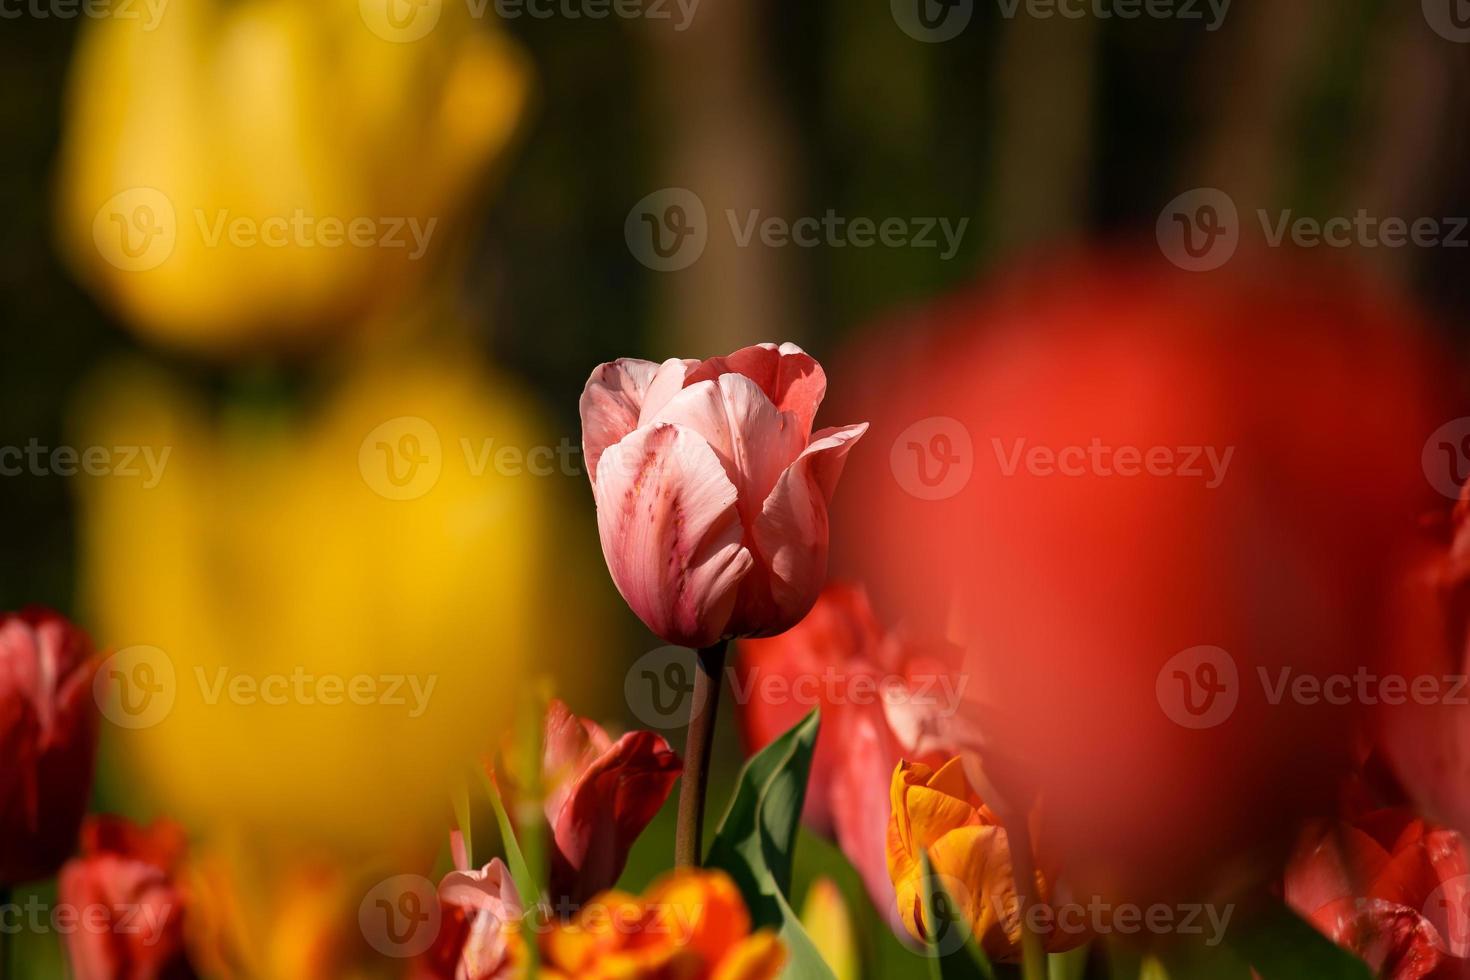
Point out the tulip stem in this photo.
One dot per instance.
(1033, 955)
(5, 900)
(709, 670)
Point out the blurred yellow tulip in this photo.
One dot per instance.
(243, 922)
(324, 614)
(239, 175)
(828, 923)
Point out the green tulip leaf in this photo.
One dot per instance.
(757, 837)
(1281, 945)
(952, 952)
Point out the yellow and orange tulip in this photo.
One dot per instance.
(938, 812)
(690, 924)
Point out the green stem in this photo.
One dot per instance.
(1033, 954)
(698, 743)
(6, 897)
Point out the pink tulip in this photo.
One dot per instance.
(883, 699)
(712, 490)
(477, 940)
(601, 794)
(48, 739)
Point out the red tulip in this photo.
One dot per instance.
(48, 739)
(123, 882)
(1428, 738)
(1106, 473)
(601, 794)
(712, 489)
(1390, 888)
(882, 701)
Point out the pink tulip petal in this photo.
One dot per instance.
(668, 382)
(490, 903)
(671, 532)
(791, 378)
(610, 404)
(491, 888)
(860, 808)
(754, 441)
(791, 536)
(622, 395)
(608, 807)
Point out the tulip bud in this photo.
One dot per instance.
(601, 794)
(937, 811)
(48, 739)
(712, 489)
(127, 872)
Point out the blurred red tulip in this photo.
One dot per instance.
(1390, 888)
(1428, 738)
(712, 489)
(600, 795)
(882, 700)
(128, 902)
(48, 739)
(1152, 504)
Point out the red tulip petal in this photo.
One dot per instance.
(608, 807)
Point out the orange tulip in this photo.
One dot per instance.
(937, 811)
(690, 924)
